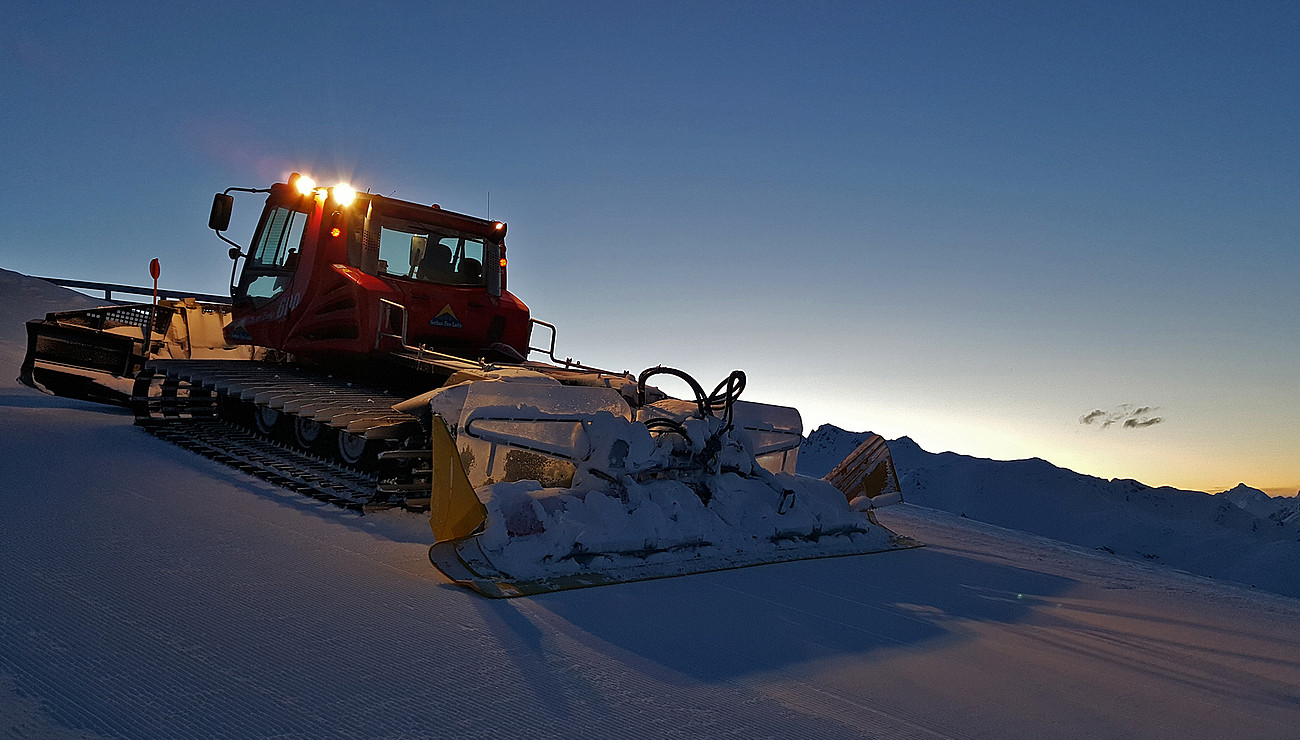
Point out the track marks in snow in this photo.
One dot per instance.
(158, 595)
(1218, 659)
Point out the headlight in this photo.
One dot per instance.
(344, 194)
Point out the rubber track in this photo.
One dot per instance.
(182, 408)
(329, 401)
(283, 466)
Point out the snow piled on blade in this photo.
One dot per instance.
(538, 533)
(609, 496)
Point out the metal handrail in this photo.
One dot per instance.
(386, 308)
(567, 362)
(109, 289)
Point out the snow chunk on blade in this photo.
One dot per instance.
(572, 488)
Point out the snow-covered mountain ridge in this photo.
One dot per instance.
(1241, 535)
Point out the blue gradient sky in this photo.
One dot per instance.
(971, 223)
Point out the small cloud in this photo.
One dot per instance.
(1126, 415)
(1092, 416)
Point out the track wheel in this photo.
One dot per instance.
(234, 410)
(356, 450)
(306, 433)
(266, 420)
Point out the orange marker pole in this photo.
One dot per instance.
(155, 270)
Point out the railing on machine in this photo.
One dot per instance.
(110, 288)
(549, 351)
(106, 318)
(387, 310)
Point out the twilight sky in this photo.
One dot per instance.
(1004, 229)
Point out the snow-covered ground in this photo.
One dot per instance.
(148, 592)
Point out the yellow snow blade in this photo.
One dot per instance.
(454, 510)
(867, 471)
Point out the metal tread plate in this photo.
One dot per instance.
(331, 401)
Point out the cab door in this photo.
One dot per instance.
(260, 294)
(273, 258)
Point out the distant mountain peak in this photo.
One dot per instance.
(1243, 489)
(1251, 499)
(825, 447)
(904, 441)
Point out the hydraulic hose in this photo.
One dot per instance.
(701, 400)
(727, 393)
(724, 396)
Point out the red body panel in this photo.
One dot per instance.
(331, 307)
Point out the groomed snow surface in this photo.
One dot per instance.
(148, 592)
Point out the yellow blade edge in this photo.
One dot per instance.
(867, 471)
(454, 510)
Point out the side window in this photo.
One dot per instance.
(397, 251)
(271, 264)
(280, 239)
(266, 287)
(425, 253)
(451, 260)
(467, 260)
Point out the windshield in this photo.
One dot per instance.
(422, 252)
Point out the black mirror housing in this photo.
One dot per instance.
(223, 204)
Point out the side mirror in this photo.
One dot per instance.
(223, 205)
(419, 244)
(235, 253)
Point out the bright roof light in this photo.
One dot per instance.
(306, 185)
(344, 194)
